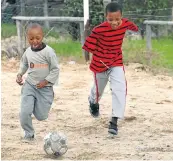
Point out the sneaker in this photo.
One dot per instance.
(28, 139)
(113, 129)
(94, 109)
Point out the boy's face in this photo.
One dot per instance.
(35, 37)
(114, 18)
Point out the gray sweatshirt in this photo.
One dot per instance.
(41, 65)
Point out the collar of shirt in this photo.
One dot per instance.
(43, 45)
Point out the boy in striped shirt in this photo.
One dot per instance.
(105, 43)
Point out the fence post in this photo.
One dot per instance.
(148, 37)
(46, 14)
(22, 7)
(22, 23)
(148, 40)
(86, 10)
(172, 13)
(82, 32)
(19, 34)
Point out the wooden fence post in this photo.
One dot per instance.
(20, 36)
(148, 37)
(148, 41)
(46, 14)
(82, 32)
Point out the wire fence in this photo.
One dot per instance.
(65, 37)
(38, 10)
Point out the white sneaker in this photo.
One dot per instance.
(28, 139)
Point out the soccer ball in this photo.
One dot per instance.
(55, 144)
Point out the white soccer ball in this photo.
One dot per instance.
(55, 144)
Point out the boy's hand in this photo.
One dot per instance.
(42, 84)
(19, 79)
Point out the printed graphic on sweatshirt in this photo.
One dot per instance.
(32, 65)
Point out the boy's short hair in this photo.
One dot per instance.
(113, 7)
(33, 25)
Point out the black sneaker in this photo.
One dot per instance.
(113, 129)
(94, 109)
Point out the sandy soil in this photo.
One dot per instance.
(145, 133)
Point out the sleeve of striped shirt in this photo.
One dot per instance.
(91, 41)
(132, 26)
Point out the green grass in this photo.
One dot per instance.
(161, 54)
(134, 51)
(68, 48)
(164, 48)
(8, 30)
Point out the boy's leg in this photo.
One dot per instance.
(118, 87)
(44, 100)
(27, 106)
(100, 81)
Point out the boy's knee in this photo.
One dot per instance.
(24, 117)
(116, 89)
(40, 118)
(24, 114)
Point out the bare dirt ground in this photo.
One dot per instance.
(145, 133)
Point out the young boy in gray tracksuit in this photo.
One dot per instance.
(37, 92)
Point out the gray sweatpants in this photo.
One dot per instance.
(118, 88)
(34, 101)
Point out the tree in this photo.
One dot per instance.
(142, 10)
(152, 8)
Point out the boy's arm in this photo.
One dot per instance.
(54, 69)
(86, 34)
(90, 44)
(132, 26)
(23, 65)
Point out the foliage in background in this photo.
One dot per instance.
(141, 10)
(75, 8)
(147, 7)
(147, 10)
(138, 8)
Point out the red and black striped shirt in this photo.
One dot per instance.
(105, 44)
